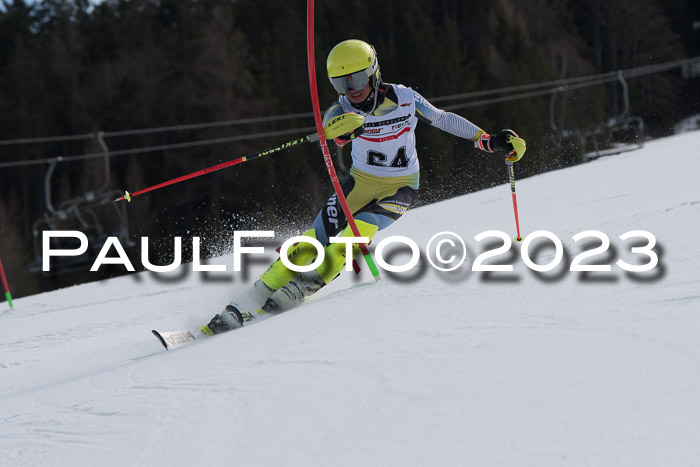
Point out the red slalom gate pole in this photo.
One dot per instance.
(511, 176)
(322, 138)
(8, 295)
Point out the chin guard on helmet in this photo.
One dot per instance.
(343, 124)
(347, 123)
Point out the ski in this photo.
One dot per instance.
(172, 339)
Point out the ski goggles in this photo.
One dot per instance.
(356, 81)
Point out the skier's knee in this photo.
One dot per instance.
(300, 254)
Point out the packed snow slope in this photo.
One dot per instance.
(421, 368)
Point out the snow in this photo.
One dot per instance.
(421, 368)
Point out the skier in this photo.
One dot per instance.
(383, 180)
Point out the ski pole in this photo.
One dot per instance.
(511, 175)
(8, 295)
(322, 138)
(128, 196)
(338, 126)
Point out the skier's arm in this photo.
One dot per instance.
(331, 112)
(446, 121)
(459, 126)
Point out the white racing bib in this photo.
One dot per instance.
(387, 148)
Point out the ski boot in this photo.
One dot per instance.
(294, 292)
(262, 290)
(228, 320)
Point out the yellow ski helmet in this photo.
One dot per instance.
(351, 65)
